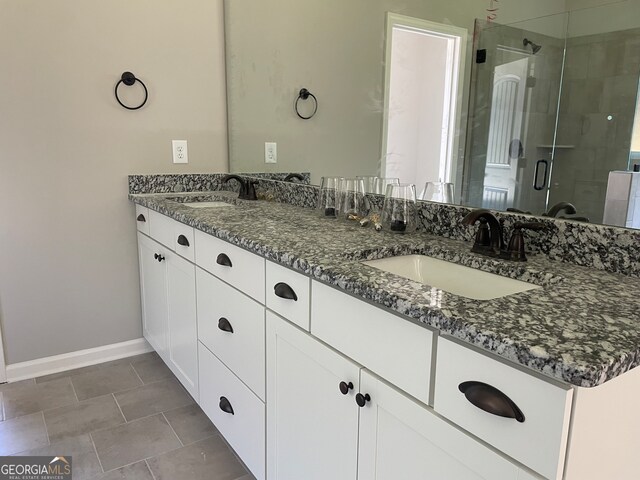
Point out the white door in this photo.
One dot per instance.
(183, 329)
(401, 439)
(424, 69)
(312, 428)
(153, 286)
(506, 141)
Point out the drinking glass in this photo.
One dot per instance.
(399, 213)
(437, 192)
(352, 204)
(328, 198)
(382, 183)
(370, 183)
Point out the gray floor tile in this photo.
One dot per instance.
(190, 424)
(22, 433)
(67, 373)
(150, 368)
(84, 459)
(8, 386)
(137, 471)
(105, 380)
(32, 397)
(134, 441)
(153, 398)
(84, 417)
(207, 459)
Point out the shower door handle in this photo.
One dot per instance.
(537, 172)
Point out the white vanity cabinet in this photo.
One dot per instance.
(312, 426)
(168, 295)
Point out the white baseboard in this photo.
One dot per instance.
(81, 358)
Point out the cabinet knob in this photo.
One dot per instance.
(491, 400)
(225, 406)
(182, 240)
(224, 325)
(345, 387)
(224, 260)
(362, 400)
(155, 255)
(283, 290)
(160, 258)
(141, 218)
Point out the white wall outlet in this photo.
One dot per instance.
(270, 152)
(180, 152)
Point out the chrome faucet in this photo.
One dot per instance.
(247, 187)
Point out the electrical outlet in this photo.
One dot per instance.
(270, 152)
(180, 152)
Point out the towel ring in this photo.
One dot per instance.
(129, 79)
(304, 95)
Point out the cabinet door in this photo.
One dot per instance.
(400, 438)
(153, 286)
(183, 330)
(312, 428)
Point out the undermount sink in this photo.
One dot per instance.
(206, 204)
(451, 277)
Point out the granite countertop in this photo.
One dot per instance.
(582, 327)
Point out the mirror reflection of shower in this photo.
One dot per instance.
(535, 48)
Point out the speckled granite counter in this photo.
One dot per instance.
(582, 328)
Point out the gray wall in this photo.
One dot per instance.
(68, 257)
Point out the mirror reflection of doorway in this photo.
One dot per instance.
(424, 68)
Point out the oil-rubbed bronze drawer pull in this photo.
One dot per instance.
(225, 406)
(283, 290)
(224, 260)
(182, 240)
(491, 400)
(141, 218)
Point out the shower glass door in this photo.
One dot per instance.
(514, 103)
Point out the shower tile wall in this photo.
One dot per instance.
(503, 44)
(597, 110)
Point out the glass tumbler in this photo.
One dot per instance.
(352, 203)
(437, 192)
(400, 213)
(382, 183)
(370, 183)
(328, 197)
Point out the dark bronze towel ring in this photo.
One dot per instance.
(304, 95)
(129, 79)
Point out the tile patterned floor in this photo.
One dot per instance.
(129, 419)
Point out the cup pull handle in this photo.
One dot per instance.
(491, 400)
(225, 325)
(182, 240)
(141, 218)
(225, 406)
(283, 290)
(224, 260)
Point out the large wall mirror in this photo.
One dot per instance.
(521, 105)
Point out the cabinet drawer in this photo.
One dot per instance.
(288, 294)
(539, 441)
(244, 429)
(184, 241)
(392, 347)
(236, 266)
(161, 228)
(231, 325)
(142, 219)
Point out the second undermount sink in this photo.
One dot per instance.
(207, 204)
(451, 277)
